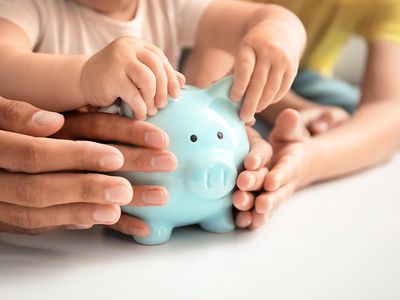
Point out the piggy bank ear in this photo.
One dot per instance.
(221, 88)
(220, 91)
(220, 102)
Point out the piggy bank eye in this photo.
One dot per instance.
(193, 138)
(220, 135)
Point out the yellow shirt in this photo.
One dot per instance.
(330, 23)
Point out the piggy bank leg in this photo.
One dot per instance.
(221, 222)
(158, 234)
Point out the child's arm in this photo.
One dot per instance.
(129, 68)
(267, 41)
(37, 78)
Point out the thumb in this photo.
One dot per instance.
(289, 128)
(21, 117)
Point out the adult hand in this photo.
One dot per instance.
(143, 148)
(37, 194)
(290, 170)
(251, 180)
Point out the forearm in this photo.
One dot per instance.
(205, 66)
(47, 81)
(370, 137)
(240, 18)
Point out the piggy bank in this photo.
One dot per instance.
(210, 143)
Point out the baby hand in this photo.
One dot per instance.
(265, 67)
(136, 71)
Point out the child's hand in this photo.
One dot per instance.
(137, 72)
(290, 165)
(265, 67)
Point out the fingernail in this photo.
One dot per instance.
(43, 117)
(270, 206)
(234, 98)
(152, 112)
(322, 126)
(105, 215)
(252, 180)
(245, 203)
(153, 197)
(163, 162)
(112, 161)
(155, 139)
(245, 224)
(82, 226)
(257, 160)
(176, 93)
(119, 195)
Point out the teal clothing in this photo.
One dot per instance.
(322, 90)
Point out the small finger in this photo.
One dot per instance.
(131, 226)
(147, 195)
(258, 220)
(243, 201)
(286, 84)
(283, 172)
(181, 78)
(145, 80)
(157, 65)
(318, 127)
(251, 180)
(254, 90)
(130, 94)
(271, 88)
(243, 68)
(288, 128)
(264, 203)
(244, 219)
(260, 151)
(174, 77)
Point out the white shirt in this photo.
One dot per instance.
(64, 27)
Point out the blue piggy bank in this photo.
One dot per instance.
(210, 143)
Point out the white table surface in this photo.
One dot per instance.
(337, 240)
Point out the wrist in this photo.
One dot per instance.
(79, 86)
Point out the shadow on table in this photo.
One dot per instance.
(57, 252)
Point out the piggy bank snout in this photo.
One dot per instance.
(213, 180)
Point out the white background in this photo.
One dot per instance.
(337, 240)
